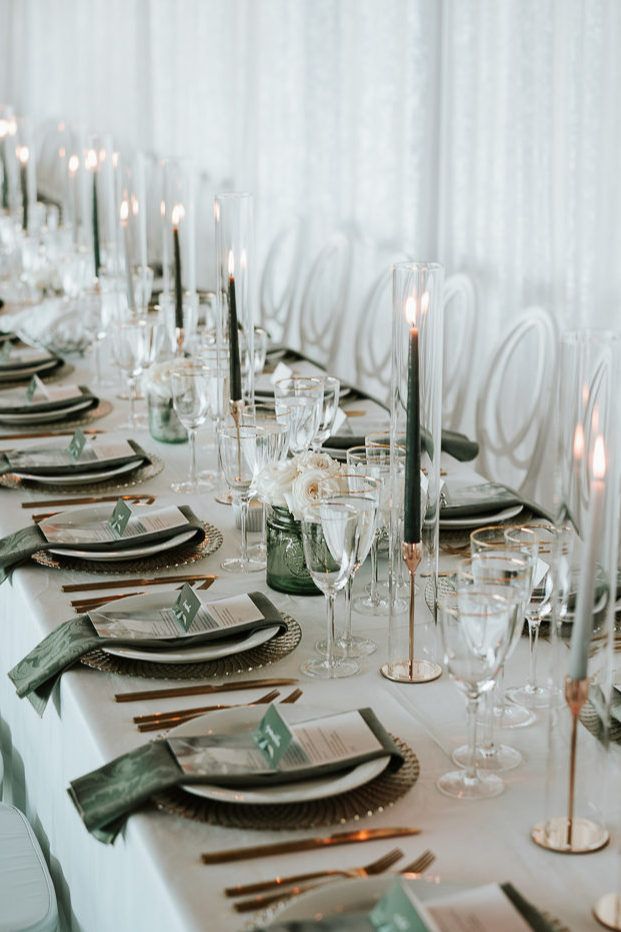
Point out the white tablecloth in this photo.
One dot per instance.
(152, 877)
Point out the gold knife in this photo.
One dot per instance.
(131, 583)
(305, 844)
(205, 689)
(53, 433)
(89, 500)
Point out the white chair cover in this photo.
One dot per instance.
(27, 898)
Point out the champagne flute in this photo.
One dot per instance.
(129, 349)
(190, 402)
(240, 455)
(329, 538)
(329, 408)
(476, 628)
(363, 494)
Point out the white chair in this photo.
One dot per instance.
(27, 898)
(278, 285)
(324, 300)
(459, 340)
(513, 404)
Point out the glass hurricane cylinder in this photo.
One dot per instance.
(101, 163)
(8, 166)
(233, 214)
(26, 158)
(417, 304)
(179, 300)
(584, 607)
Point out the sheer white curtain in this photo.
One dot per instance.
(485, 133)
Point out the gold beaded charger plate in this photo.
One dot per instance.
(136, 476)
(242, 662)
(179, 556)
(375, 796)
(101, 409)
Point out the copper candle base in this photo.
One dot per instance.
(411, 670)
(607, 911)
(568, 834)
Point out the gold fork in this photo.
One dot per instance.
(257, 902)
(167, 720)
(420, 865)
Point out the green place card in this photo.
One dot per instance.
(397, 912)
(273, 736)
(76, 445)
(120, 516)
(186, 607)
(32, 387)
(5, 350)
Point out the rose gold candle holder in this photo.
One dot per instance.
(568, 834)
(411, 670)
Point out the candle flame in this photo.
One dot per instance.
(410, 310)
(162, 209)
(134, 200)
(124, 211)
(579, 442)
(599, 458)
(4, 128)
(178, 213)
(231, 264)
(91, 160)
(115, 159)
(22, 154)
(424, 302)
(74, 164)
(102, 155)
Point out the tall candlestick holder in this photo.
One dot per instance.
(413, 649)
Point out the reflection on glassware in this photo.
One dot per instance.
(329, 408)
(240, 454)
(300, 399)
(259, 350)
(128, 349)
(476, 628)
(191, 404)
(329, 538)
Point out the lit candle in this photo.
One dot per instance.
(411, 512)
(235, 386)
(23, 155)
(91, 164)
(583, 620)
(4, 131)
(131, 300)
(177, 216)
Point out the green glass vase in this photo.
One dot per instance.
(286, 567)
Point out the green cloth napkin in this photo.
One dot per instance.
(42, 407)
(457, 445)
(106, 796)
(360, 922)
(35, 676)
(17, 548)
(9, 462)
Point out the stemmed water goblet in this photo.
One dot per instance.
(329, 409)
(329, 537)
(363, 494)
(240, 454)
(476, 628)
(128, 349)
(190, 402)
(508, 575)
(301, 400)
(540, 540)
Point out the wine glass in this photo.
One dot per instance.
(300, 399)
(329, 538)
(540, 541)
(491, 539)
(191, 402)
(240, 453)
(363, 494)
(329, 408)
(128, 349)
(508, 575)
(476, 628)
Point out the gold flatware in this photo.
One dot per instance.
(98, 601)
(263, 886)
(305, 844)
(204, 690)
(199, 710)
(90, 500)
(52, 433)
(371, 870)
(130, 583)
(420, 864)
(355, 413)
(165, 721)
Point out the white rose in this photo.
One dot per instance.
(304, 491)
(321, 461)
(157, 380)
(273, 481)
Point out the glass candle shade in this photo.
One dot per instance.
(178, 218)
(101, 165)
(25, 154)
(8, 163)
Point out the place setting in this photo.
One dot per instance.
(58, 405)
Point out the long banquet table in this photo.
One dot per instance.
(152, 877)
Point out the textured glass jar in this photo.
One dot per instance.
(164, 424)
(286, 567)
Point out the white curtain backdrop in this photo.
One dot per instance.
(483, 133)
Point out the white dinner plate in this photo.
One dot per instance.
(42, 417)
(359, 895)
(132, 553)
(12, 375)
(481, 520)
(246, 719)
(83, 478)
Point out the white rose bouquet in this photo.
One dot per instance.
(294, 483)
